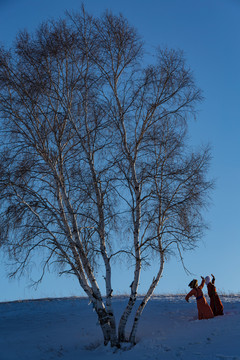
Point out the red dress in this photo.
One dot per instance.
(204, 310)
(215, 302)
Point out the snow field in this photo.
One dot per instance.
(67, 329)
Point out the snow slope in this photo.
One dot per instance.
(66, 329)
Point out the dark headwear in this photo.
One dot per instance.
(193, 283)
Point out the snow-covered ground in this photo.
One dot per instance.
(66, 329)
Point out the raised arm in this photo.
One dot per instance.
(213, 279)
(202, 283)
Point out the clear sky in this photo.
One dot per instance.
(208, 31)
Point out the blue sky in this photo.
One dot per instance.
(208, 31)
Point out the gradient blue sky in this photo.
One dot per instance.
(208, 31)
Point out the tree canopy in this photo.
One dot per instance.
(94, 160)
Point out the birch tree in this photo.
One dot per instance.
(93, 138)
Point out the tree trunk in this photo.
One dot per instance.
(136, 216)
(134, 285)
(107, 324)
(148, 295)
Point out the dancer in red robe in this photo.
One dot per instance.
(215, 302)
(204, 310)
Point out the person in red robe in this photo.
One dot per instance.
(204, 310)
(215, 302)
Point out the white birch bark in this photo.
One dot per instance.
(136, 215)
(101, 231)
(84, 267)
(108, 278)
(148, 295)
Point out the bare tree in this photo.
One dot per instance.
(91, 138)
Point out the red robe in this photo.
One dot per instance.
(204, 310)
(215, 302)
